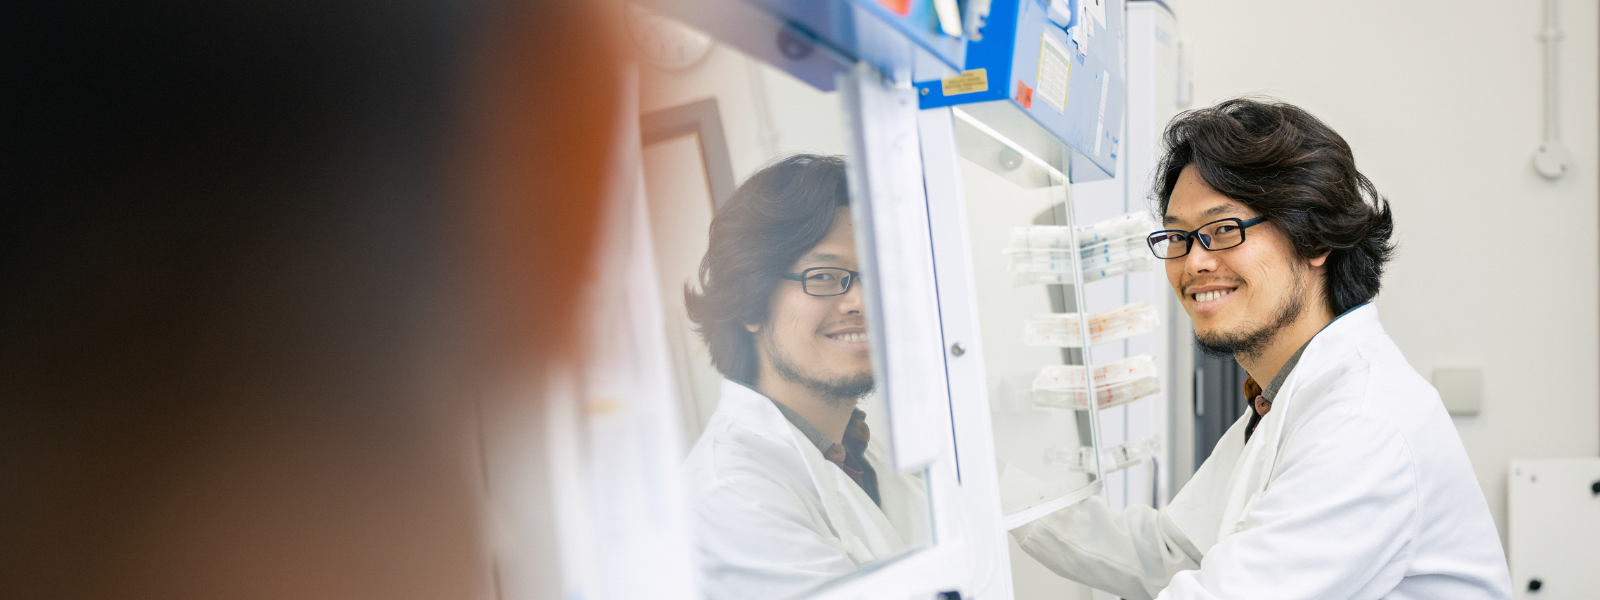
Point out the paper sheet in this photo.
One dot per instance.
(1100, 121)
(1055, 69)
(1096, 9)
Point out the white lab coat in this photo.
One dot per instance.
(1354, 485)
(772, 518)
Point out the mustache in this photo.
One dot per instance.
(1234, 281)
(841, 323)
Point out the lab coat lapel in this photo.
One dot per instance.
(1255, 470)
(858, 524)
(1218, 499)
(1210, 507)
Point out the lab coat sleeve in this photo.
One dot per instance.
(1132, 553)
(1335, 523)
(757, 539)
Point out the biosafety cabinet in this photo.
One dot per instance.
(994, 282)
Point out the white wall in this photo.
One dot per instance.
(1441, 102)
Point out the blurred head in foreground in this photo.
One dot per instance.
(248, 251)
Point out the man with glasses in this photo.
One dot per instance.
(787, 491)
(1348, 479)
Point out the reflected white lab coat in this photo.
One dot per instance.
(1354, 485)
(773, 518)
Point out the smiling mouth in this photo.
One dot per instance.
(858, 336)
(1211, 295)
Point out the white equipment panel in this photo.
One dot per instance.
(1554, 519)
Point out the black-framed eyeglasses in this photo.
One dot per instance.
(1220, 234)
(825, 281)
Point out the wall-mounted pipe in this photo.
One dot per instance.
(1185, 72)
(1551, 160)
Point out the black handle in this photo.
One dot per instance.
(1595, 487)
(1534, 585)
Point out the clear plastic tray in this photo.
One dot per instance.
(1130, 224)
(1032, 271)
(1137, 263)
(1105, 397)
(1115, 458)
(1044, 254)
(1041, 236)
(1111, 251)
(1117, 247)
(1115, 383)
(1061, 330)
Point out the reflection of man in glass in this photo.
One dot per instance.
(787, 492)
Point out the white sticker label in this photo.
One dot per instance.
(1054, 71)
(1100, 121)
(1081, 32)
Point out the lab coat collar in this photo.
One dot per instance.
(755, 410)
(1338, 339)
(1270, 391)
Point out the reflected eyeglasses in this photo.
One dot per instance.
(1220, 234)
(824, 281)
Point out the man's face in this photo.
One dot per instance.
(820, 342)
(1240, 297)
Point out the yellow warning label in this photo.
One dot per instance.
(976, 80)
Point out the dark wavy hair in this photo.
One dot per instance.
(777, 215)
(1292, 168)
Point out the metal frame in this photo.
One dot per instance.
(986, 545)
(1083, 331)
(701, 118)
(954, 251)
(890, 178)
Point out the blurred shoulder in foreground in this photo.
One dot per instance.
(248, 253)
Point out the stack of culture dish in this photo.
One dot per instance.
(1061, 329)
(1116, 383)
(1043, 253)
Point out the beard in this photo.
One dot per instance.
(842, 390)
(1251, 339)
